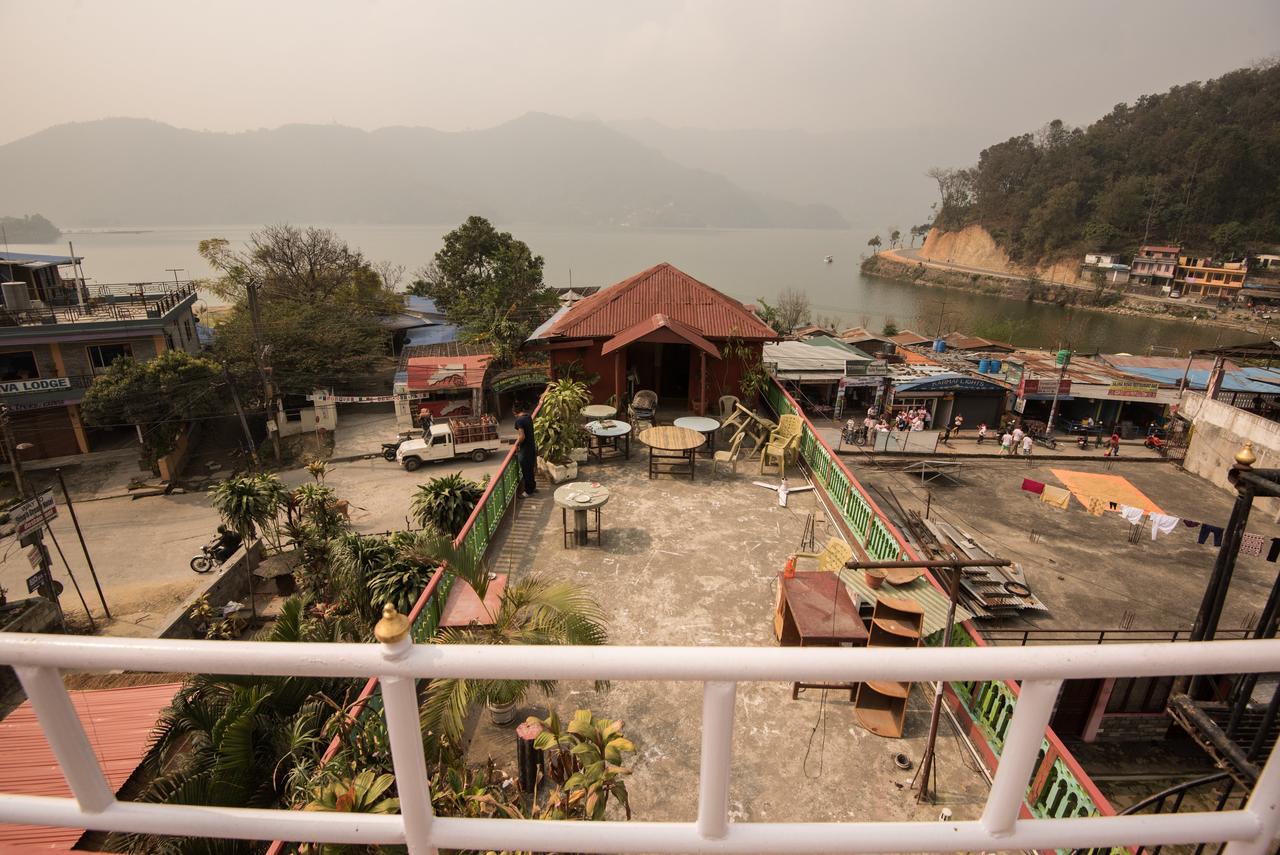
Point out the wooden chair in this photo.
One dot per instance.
(730, 456)
(783, 441)
(833, 556)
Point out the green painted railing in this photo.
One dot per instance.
(1059, 787)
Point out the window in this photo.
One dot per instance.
(191, 333)
(19, 365)
(102, 355)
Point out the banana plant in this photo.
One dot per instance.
(584, 764)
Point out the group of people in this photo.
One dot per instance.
(889, 420)
(1014, 440)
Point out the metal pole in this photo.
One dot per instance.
(855, 564)
(244, 424)
(1053, 408)
(1215, 593)
(72, 576)
(926, 763)
(11, 451)
(75, 521)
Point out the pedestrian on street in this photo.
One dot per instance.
(982, 433)
(959, 423)
(425, 419)
(526, 450)
(1006, 443)
(1018, 434)
(1114, 450)
(1026, 445)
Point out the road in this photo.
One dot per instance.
(141, 546)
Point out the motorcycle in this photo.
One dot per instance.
(1157, 444)
(389, 449)
(212, 554)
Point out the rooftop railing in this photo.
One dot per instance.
(140, 301)
(37, 659)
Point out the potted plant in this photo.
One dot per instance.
(558, 428)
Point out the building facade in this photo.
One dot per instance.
(1155, 266)
(1201, 276)
(57, 334)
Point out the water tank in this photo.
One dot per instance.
(984, 366)
(939, 345)
(16, 297)
(994, 367)
(1064, 356)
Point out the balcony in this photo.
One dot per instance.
(105, 304)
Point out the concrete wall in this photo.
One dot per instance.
(1219, 430)
(171, 464)
(230, 582)
(322, 415)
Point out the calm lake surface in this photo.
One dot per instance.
(748, 264)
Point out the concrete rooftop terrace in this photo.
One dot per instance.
(695, 563)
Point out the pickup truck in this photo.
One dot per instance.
(470, 436)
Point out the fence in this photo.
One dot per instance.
(1060, 787)
(1025, 753)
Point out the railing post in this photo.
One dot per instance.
(1264, 803)
(66, 737)
(1018, 756)
(717, 755)
(400, 705)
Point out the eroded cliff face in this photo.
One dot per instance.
(973, 246)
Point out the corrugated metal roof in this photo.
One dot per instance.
(907, 337)
(430, 374)
(27, 257)
(663, 289)
(433, 334)
(118, 723)
(541, 331)
(933, 601)
(798, 357)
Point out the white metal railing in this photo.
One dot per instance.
(37, 658)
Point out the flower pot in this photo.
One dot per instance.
(560, 474)
(502, 714)
(875, 578)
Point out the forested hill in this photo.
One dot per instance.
(1201, 161)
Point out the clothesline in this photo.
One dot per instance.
(1161, 523)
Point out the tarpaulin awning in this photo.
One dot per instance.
(441, 373)
(654, 326)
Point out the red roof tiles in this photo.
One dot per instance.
(666, 290)
(118, 723)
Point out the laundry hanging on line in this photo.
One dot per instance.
(1162, 524)
(1251, 544)
(1032, 486)
(1056, 496)
(1207, 530)
(1132, 515)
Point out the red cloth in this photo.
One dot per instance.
(1032, 486)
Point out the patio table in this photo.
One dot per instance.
(704, 425)
(608, 434)
(599, 411)
(672, 448)
(815, 610)
(581, 497)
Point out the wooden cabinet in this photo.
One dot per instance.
(881, 706)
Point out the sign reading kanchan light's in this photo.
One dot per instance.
(48, 384)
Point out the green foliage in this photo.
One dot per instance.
(1184, 164)
(246, 503)
(769, 315)
(890, 327)
(445, 503)
(489, 283)
(159, 395)
(755, 377)
(533, 610)
(32, 228)
(875, 243)
(557, 429)
(584, 765)
(362, 794)
(311, 345)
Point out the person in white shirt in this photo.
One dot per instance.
(1006, 443)
(917, 423)
(1018, 434)
(1026, 445)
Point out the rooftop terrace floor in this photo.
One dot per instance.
(696, 564)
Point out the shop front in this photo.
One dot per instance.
(949, 395)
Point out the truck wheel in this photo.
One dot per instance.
(479, 455)
(411, 464)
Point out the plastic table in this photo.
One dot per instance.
(580, 497)
(608, 435)
(704, 425)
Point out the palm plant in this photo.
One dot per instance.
(247, 503)
(534, 611)
(446, 503)
(558, 427)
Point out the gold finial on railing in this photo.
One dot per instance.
(1245, 456)
(393, 627)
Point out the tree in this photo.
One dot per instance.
(895, 236)
(247, 504)
(890, 327)
(307, 267)
(490, 284)
(768, 315)
(874, 243)
(793, 310)
(1229, 240)
(160, 396)
(309, 346)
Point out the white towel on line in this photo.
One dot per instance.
(1163, 524)
(1132, 515)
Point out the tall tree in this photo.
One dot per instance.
(895, 236)
(874, 243)
(793, 309)
(160, 396)
(489, 283)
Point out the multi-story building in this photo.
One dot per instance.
(57, 333)
(1201, 276)
(1154, 265)
(1109, 264)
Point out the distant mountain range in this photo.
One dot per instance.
(537, 169)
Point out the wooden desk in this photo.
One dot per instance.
(815, 610)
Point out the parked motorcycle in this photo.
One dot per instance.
(389, 449)
(1154, 442)
(215, 552)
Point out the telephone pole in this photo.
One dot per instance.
(33, 538)
(260, 357)
(244, 423)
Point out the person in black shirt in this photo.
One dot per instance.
(526, 449)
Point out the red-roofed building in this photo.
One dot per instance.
(454, 382)
(661, 330)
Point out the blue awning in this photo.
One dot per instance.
(949, 382)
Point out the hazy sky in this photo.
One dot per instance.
(1006, 66)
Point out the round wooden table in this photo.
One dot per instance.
(598, 411)
(671, 449)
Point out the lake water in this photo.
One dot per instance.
(747, 264)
